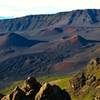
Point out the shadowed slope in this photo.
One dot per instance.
(15, 40)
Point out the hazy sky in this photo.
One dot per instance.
(26, 7)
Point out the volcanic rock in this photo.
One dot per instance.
(48, 92)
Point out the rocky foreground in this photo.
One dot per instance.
(33, 90)
(84, 85)
(87, 82)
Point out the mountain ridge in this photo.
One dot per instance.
(88, 17)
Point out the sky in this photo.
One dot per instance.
(17, 8)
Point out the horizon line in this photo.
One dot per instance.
(66, 11)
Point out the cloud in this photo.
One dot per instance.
(26, 7)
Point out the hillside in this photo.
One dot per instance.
(51, 44)
(49, 60)
(9, 40)
(82, 85)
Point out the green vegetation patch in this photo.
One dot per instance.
(10, 88)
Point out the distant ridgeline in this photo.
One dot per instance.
(86, 18)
